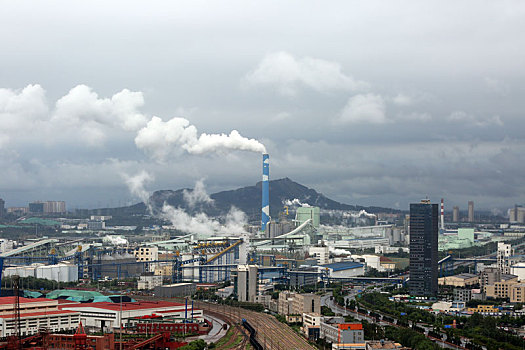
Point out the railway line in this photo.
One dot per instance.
(271, 334)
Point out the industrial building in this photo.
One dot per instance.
(175, 290)
(345, 269)
(246, 279)
(35, 314)
(107, 316)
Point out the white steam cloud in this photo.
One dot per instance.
(296, 203)
(200, 223)
(361, 213)
(197, 195)
(136, 185)
(160, 138)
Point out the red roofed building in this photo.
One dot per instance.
(35, 314)
(106, 316)
(335, 332)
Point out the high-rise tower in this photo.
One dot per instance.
(455, 214)
(424, 248)
(471, 211)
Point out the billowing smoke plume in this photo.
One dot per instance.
(337, 251)
(179, 218)
(160, 138)
(197, 195)
(201, 223)
(296, 203)
(136, 185)
(115, 240)
(361, 213)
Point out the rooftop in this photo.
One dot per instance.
(465, 276)
(11, 300)
(351, 326)
(345, 265)
(47, 313)
(139, 305)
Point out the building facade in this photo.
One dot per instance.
(423, 249)
(246, 282)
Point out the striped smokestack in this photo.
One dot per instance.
(265, 209)
(442, 215)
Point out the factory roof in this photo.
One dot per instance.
(43, 313)
(139, 305)
(345, 265)
(351, 326)
(74, 295)
(11, 300)
(465, 276)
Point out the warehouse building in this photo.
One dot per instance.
(35, 314)
(107, 316)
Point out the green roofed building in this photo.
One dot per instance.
(83, 296)
(39, 221)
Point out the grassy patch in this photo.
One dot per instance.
(226, 338)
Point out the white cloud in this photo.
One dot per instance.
(466, 118)
(21, 110)
(160, 138)
(80, 114)
(287, 74)
(415, 116)
(281, 116)
(83, 109)
(364, 108)
(402, 100)
(496, 86)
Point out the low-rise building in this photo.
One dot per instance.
(149, 282)
(461, 294)
(517, 293)
(344, 269)
(175, 290)
(296, 304)
(383, 344)
(108, 316)
(36, 314)
(484, 309)
(500, 289)
(311, 325)
(462, 280)
(342, 332)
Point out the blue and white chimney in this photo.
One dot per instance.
(265, 209)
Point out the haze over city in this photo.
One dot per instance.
(370, 103)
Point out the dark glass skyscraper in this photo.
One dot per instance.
(423, 249)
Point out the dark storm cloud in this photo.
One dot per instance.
(369, 102)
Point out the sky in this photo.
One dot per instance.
(369, 102)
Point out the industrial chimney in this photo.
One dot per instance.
(442, 215)
(265, 209)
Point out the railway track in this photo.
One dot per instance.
(236, 331)
(271, 334)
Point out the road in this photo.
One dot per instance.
(217, 331)
(339, 310)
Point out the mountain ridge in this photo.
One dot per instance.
(247, 199)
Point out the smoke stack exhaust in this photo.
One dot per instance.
(265, 209)
(442, 215)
